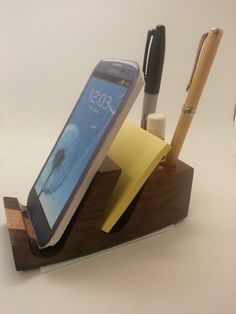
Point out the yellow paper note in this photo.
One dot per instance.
(138, 153)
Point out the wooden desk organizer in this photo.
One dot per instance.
(163, 200)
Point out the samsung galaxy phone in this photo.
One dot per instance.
(81, 147)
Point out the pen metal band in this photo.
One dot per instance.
(188, 110)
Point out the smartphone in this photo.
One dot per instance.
(81, 147)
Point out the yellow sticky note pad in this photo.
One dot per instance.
(138, 153)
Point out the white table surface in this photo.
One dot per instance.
(48, 49)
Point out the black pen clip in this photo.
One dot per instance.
(150, 35)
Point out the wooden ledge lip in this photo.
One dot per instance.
(14, 219)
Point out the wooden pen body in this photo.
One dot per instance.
(178, 140)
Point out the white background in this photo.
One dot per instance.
(48, 49)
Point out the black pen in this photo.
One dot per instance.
(152, 68)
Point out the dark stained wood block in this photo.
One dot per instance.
(163, 200)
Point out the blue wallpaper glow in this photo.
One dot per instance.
(77, 145)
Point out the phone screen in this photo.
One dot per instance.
(78, 142)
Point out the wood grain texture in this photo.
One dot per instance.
(14, 219)
(163, 200)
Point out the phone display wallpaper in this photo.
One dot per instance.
(77, 144)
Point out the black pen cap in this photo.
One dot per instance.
(153, 67)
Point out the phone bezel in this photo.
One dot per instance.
(120, 70)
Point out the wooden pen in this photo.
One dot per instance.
(205, 56)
